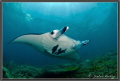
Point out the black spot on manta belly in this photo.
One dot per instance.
(54, 48)
(61, 51)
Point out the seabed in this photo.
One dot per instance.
(102, 67)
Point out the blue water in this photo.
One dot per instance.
(95, 21)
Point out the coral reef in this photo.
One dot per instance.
(6, 73)
(104, 66)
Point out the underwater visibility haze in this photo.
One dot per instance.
(94, 21)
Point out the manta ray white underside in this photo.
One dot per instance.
(60, 47)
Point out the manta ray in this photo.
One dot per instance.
(53, 44)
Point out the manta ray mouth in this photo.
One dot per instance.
(63, 30)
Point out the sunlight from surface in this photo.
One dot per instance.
(57, 8)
